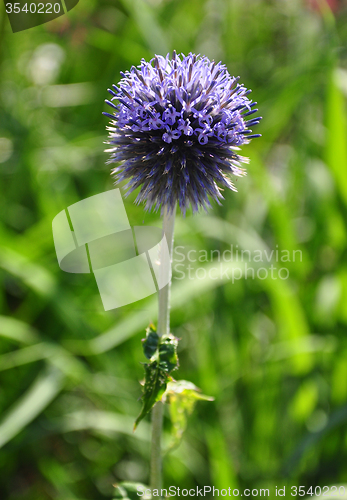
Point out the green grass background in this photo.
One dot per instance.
(272, 352)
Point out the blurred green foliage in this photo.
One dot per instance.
(272, 352)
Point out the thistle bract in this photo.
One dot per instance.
(176, 127)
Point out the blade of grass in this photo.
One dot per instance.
(17, 330)
(336, 143)
(39, 395)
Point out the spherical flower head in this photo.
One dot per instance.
(176, 127)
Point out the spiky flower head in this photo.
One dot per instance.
(176, 130)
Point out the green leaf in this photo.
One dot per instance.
(162, 362)
(150, 343)
(25, 355)
(17, 330)
(39, 395)
(336, 148)
(182, 396)
(154, 388)
(168, 353)
(130, 491)
(35, 276)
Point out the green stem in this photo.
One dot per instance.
(163, 329)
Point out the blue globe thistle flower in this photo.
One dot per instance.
(176, 130)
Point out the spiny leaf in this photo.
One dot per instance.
(162, 362)
(181, 396)
(154, 388)
(150, 343)
(168, 353)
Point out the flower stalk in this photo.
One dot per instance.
(176, 128)
(163, 329)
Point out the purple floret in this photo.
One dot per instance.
(176, 126)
